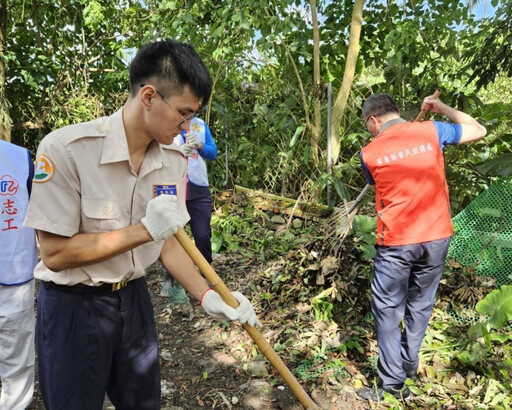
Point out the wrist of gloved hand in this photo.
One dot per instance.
(214, 306)
(164, 217)
(187, 150)
(193, 139)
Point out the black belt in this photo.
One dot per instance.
(81, 288)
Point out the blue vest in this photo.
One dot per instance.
(18, 253)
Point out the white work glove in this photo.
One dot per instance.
(193, 139)
(187, 149)
(213, 304)
(164, 217)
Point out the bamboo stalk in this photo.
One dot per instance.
(219, 286)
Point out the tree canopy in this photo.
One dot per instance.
(271, 61)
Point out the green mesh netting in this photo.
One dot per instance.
(464, 316)
(483, 239)
(313, 368)
(483, 233)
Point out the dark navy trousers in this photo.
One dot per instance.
(92, 343)
(199, 207)
(404, 286)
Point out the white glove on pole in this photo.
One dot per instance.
(193, 139)
(164, 217)
(187, 149)
(213, 304)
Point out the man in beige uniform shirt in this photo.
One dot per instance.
(109, 195)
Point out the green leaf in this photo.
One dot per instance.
(497, 304)
(368, 250)
(477, 330)
(469, 359)
(93, 14)
(501, 166)
(298, 131)
(217, 241)
(341, 189)
(369, 238)
(265, 30)
(245, 24)
(500, 337)
(218, 32)
(364, 224)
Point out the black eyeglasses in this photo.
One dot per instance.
(185, 119)
(366, 121)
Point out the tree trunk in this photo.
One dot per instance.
(348, 77)
(282, 205)
(5, 129)
(317, 83)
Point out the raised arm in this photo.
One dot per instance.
(472, 130)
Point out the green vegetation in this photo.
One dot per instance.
(67, 62)
(63, 62)
(316, 302)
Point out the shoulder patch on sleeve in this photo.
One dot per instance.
(44, 168)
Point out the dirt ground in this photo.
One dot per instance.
(205, 364)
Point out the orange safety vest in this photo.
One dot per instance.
(412, 200)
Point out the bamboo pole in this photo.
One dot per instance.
(219, 286)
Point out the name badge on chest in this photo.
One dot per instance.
(165, 189)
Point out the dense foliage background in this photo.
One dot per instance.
(273, 63)
(67, 61)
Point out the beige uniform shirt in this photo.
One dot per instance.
(84, 183)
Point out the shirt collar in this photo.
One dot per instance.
(390, 123)
(115, 146)
(154, 158)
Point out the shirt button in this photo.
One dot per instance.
(107, 210)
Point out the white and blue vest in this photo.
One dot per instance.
(197, 171)
(18, 253)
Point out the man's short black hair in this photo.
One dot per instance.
(379, 104)
(170, 65)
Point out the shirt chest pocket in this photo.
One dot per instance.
(100, 215)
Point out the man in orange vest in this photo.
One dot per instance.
(405, 165)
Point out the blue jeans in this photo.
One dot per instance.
(404, 285)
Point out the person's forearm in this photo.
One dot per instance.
(457, 116)
(60, 252)
(209, 149)
(181, 267)
(472, 130)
